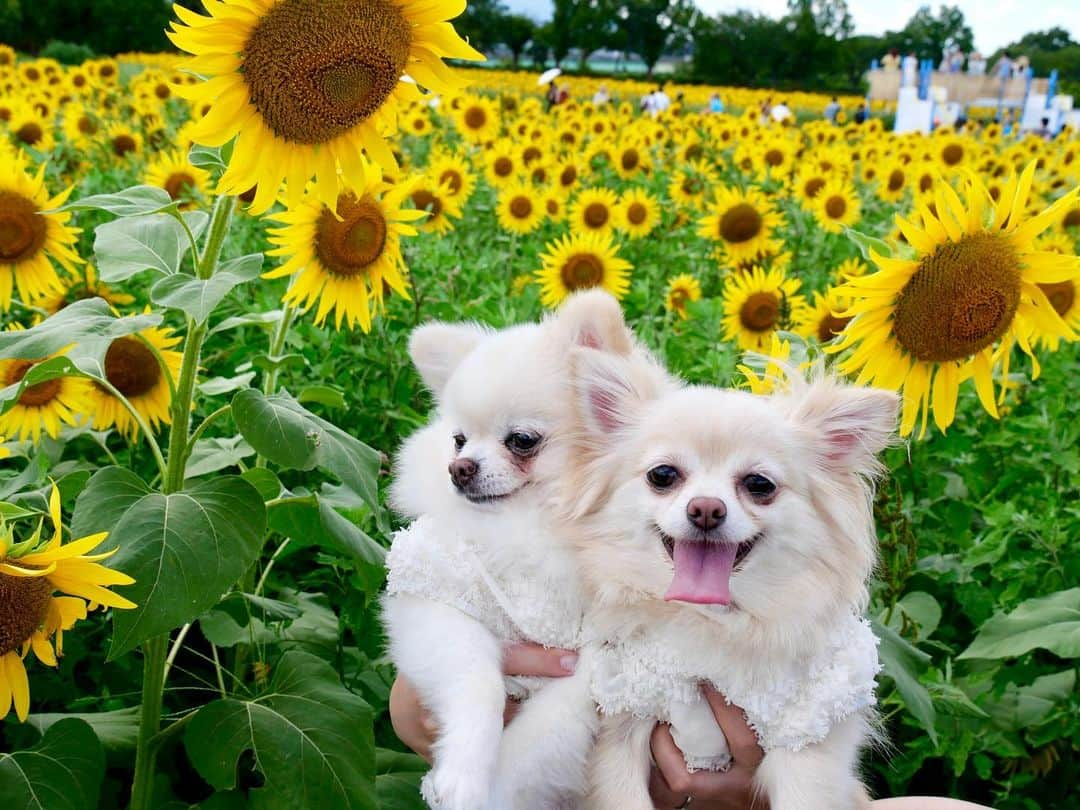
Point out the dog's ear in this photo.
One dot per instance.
(437, 348)
(594, 320)
(611, 390)
(850, 424)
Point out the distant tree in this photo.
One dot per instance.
(929, 36)
(515, 32)
(540, 47)
(106, 26)
(737, 49)
(650, 27)
(593, 26)
(560, 36)
(479, 23)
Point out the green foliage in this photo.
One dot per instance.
(62, 772)
(67, 53)
(105, 26)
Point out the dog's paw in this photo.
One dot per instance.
(453, 789)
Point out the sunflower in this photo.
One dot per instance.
(43, 406)
(581, 261)
(743, 221)
(437, 202)
(80, 125)
(122, 141)
(454, 172)
(819, 320)
(952, 152)
(417, 121)
(30, 128)
(837, 206)
(28, 237)
(80, 286)
(808, 182)
(691, 183)
(305, 85)
(638, 213)
(345, 256)
(173, 172)
(554, 202)
(477, 119)
(681, 289)
(520, 208)
(32, 615)
(132, 367)
(757, 304)
(502, 164)
(631, 159)
(924, 324)
(567, 172)
(772, 372)
(593, 210)
(893, 181)
(850, 268)
(1069, 217)
(776, 157)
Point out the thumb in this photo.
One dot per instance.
(532, 659)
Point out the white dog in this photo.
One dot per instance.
(728, 538)
(486, 561)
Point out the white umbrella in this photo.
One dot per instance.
(547, 76)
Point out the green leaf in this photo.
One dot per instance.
(198, 297)
(903, 662)
(184, 551)
(284, 431)
(62, 772)
(78, 322)
(44, 371)
(116, 730)
(264, 480)
(1023, 706)
(399, 791)
(311, 738)
(218, 453)
(252, 319)
(921, 609)
(109, 493)
(206, 157)
(216, 386)
(310, 520)
(1048, 622)
(277, 362)
(865, 243)
(126, 247)
(323, 395)
(11, 511)
(313, 628)
(129, 202)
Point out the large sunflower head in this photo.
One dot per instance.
(520, 208)
(952, 311)
(45, 586)
(29, 238)
(144, 368)
(305, 85)
(344, 258)
(594, 210)
(580, 262)
(43, 407)
(743, 221)
(757, 304)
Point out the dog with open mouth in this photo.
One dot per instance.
(727, 538)
(487, 560)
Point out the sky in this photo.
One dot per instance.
(995, 22)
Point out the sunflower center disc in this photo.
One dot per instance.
(760, 311)
(596, 215)
(952, 154)
(179, 184)
(961, 299)
(1072, 219)
(29, 133)
(347, 246)
(475, 118)
(813, 186)
(454, 178)
(636, 213)
(693, 151)
(24, 603)
(774, 157)
(131, 367)
(1062, 296)
(630, 159)
(582, 271)
(22, 231)
(316, 68)
(503, 167)
(530, 154)
(740, 223)
(87, 126)
(424, 200)
(520, 207)
(830, 326)
(33, 396)
(692, 186)
(122, 144)
(568, 176)
(896, 180)
(835, 207)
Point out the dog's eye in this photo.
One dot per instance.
(662, 476)
(459, 441)
(758, 485)
(522, 443)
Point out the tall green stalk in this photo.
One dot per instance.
(154, 649)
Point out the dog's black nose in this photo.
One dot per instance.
(462, 471)
(706, 513)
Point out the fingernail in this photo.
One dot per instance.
(569, 662)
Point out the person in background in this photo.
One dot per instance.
(976, 64)
(1003, 68)
(891, 60)
(1021, 65)
(832, 109)
(781, 112)
(601, 96)
(552, 96)
(716, 105)
(862, 113)
(660, 100)
(1044, 130)
(910, 68)
(956, 61)
(766, 110)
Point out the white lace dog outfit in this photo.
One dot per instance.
(787, 707)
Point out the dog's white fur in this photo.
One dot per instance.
(488, 384)
(808, 571)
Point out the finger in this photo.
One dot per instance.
(511, 710)
(742, 741)
(532, 659)
(663, 797)
(411, 722)
(670, 762)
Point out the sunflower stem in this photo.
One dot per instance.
(149, 721)
(277, 345)
(155, 448)
(155, 649)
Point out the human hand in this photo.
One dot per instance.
(670, 784)
(416, 727)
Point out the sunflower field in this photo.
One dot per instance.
(210, 263)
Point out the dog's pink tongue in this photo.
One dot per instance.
(702, 573)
